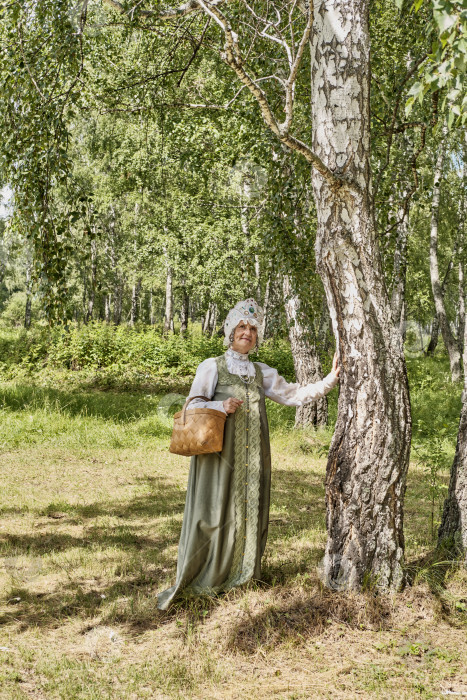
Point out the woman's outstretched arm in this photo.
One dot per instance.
(292, 394)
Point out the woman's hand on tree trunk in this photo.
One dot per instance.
(335, 367)
(231, 405)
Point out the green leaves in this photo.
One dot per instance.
(445, 67)
(40, 61)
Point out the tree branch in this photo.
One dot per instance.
(169, 13)
(395, 112)
(233, 57)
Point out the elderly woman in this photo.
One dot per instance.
(225, 523)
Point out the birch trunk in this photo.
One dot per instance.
(461, 308)
(135, 297)
(84, 297)
(184, 313)
(266, 303)
(400, 271)
(107, 308)
(305, 358)
(118, 299)
(453, 528)
(206, 319)
(462, 290)
(368, 457)
(92, 291)
(258, 278)
(152, 316)
(168, 316)
(450, 342)
(213, 320)
(432, 345)
(28, 309)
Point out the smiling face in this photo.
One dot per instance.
(244, 337)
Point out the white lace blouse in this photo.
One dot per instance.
(275, 386)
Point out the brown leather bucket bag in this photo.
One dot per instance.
(197, 432)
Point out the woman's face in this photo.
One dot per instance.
(244, 337)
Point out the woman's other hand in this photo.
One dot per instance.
(335, 367)
(231, 405)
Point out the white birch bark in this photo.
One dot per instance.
(28, 308)
(453, 528)
(168, 316)
(184, 311)
(213, 320)
(461, 304)
(207, 319)
(266, 300)
(369, 453)
(400, 270)
(107, 307)
(92, 291)
(448, 336)
(305, 358)
(135, 299)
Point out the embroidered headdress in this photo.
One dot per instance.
(249, 312)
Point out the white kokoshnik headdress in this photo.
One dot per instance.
(249, 312)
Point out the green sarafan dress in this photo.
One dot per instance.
(225, 523)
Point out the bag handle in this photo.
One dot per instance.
(190, 398)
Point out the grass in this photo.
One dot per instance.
(91, 506)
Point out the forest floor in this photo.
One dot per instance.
(91, 507)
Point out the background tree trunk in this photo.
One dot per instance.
(152, 315)
(168, 315)
(434, 337)
(184, 313)
(257, 279)
(266, 306)
(461, 253)
(135, 297)
(27, 310)
(369, 454)
(108, 307)
(305, 358)
(450, 341)
(461, 335)
(118, 300)
(453, 528)
(400, 270)
(92, 290)
(213, 320)
(207, 319)
(435, 325)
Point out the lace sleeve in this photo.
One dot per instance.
(292, 394)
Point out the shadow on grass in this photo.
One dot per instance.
(436, 568)
(293, 616)
(131, 597)
(135, 577)
(151, 506)
(118, 407)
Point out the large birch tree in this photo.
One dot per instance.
(369, 453)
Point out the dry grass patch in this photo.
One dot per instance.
(88, 534)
